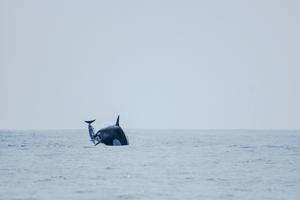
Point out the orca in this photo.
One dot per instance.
(111, 135)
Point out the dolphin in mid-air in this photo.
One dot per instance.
(111, 135)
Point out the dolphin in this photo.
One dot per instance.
(111, 135)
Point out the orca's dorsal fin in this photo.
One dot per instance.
(117, 122)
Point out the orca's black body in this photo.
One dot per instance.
(111, 135)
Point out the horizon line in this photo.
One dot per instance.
(160, 129)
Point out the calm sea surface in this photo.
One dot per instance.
(167, 164)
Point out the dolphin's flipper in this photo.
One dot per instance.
(117, 122)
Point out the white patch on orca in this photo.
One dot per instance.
(116, 142)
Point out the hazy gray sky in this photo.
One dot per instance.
(159, 64)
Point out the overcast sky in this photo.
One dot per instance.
(159, 64)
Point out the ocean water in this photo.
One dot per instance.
(229, 164)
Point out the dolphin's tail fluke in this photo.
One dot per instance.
(91, 130)
(90, 121)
